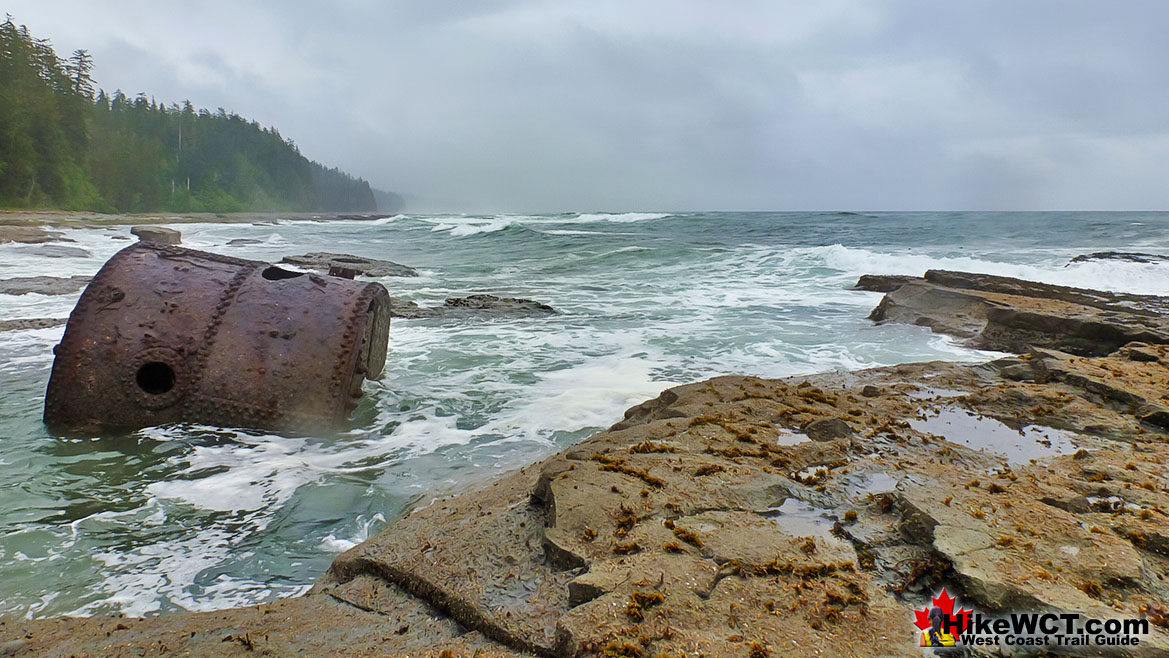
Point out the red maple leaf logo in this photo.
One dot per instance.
(946, 603)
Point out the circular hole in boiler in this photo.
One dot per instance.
(273, 273)
(155, 378)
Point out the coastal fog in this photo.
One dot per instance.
(530, 106)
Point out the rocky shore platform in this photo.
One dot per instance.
(755, 517)
(11, 221)
(38, 226)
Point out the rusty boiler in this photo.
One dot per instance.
(165, 334)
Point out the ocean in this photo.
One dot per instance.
(191, 517)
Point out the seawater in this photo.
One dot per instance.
(194, 518)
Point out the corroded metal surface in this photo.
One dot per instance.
(165, 334)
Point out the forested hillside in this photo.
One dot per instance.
(64, 144)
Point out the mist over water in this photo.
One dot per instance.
(195, 518)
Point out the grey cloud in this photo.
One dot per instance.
(524, 105)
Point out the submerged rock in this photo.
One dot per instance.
(323, 261)
(43, 285)
(404, 308)
(362, 217)
(882, 282)
(478, 305)
(1131, 257)
(493, 304)
(56, 251)
(30, 235)
(31, 323)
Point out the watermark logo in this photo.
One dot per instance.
(941, 626)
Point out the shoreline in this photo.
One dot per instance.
(72, 219)
(761, 511)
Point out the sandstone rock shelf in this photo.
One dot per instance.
(1001, 313)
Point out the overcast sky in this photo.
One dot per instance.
(524, 106)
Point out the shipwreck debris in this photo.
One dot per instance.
(166, 334)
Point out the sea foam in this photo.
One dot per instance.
(193, 517)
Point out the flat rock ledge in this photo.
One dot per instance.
(22, 324)
(707, 522)
(29, 235)
(478, 305)
(1011, 315)
(157, 234)
(43, 285)
(361, 265)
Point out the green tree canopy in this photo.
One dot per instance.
(63, 145)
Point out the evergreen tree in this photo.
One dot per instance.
(78, 68)
(62, 145)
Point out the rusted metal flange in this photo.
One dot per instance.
(165, 334)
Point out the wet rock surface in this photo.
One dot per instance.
(409, 310)
(709, 522)
(827, 429)
(31, 323)
(507, 305)
(55, 251)
(1011, 315)
(342, 625)
(361, 265)
(366, 217)
(157, 234)
(704, 522)
(485, 306)
(1129, 256)
(29, 235)
(43, 285)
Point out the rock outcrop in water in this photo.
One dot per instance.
(1128, 256)
(55, 251)
(1001, 313)
(360, 264)
(31, 323)
(157, 234)
(473, 305)
(43, 285)
(477, 305)
(707, 522)
(30, 235)
(503, 305)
